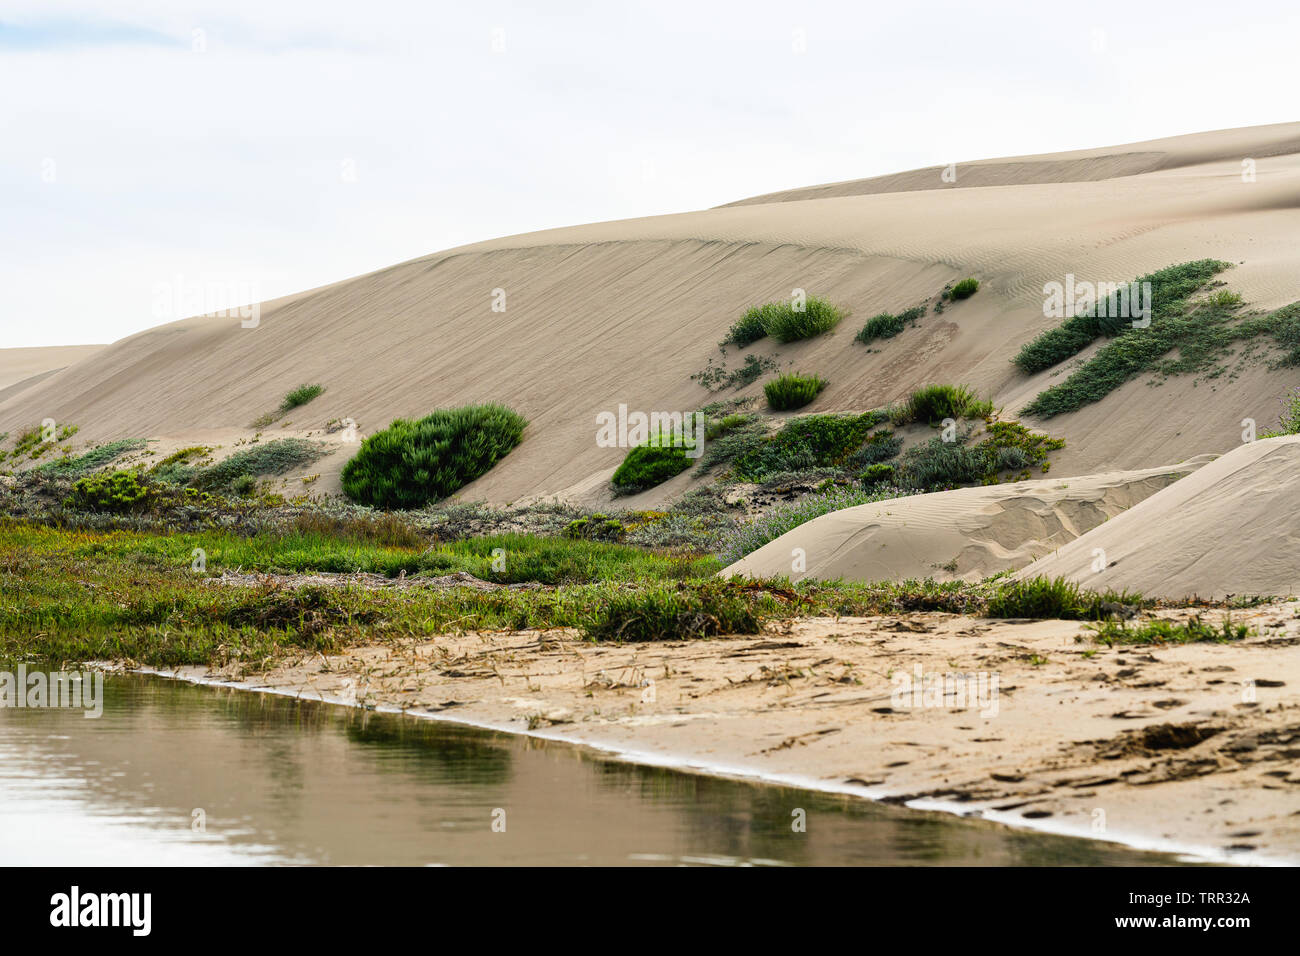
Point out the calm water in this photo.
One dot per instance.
(285, 781)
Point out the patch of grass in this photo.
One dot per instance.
(882, 326)
(1160, 631)
(648, 465)
(300, 396)
(732, 437)
(412, 463)
(810, 441)
(1060, 599)
(271, 458)
(95, 458)
(964, 289)
(176, 467)
(658, 614)
(778, 520)
(786, 324)
(931, 404)
(939, 465)
(748, 329)
(792, 390)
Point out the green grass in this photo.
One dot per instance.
(648, 465)
(95, 458)
(939, 465)
(300, 396)
(659, 615)
(964, 289)
(748, 329)
(882, 326)
(810, 441)
(931, 404)
(412, 463)
(258, 461)
(791, 390)
(1160, 631)
(784, 323)
(1059, 599)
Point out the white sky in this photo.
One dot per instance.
(128, 159)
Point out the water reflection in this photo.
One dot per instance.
(283, 781)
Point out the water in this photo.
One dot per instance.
(283, 781)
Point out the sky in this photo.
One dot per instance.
(159, 153)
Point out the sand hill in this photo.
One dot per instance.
(625, 312)
(969, 533)
(1225, 530)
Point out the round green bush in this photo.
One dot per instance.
(648, 465)
(116, 491)
(965, 288)
(411, 463)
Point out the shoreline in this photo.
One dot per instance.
(718, 742)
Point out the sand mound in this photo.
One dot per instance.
(625, 312)
(1231, 528)
(18, 365)
(969, 533)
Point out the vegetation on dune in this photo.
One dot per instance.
(748, 329)
(806, 442)
(791, 390)
(95, 458)
(1060, 598)
(300, 396)
(238, 473)
(412, 463)
(931, 404)
(648, 465)
(1160, 631)
(886, 325)
(786, 323)
(716, 377)
(1289, 421)
(939, 465)
(963, 289)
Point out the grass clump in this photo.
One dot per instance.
(931, 404)
(811, 441)
(882, 326)
(412, 463)
(792, 390)
(272, 458)
(777, 521)
(1159, 631)
(648, 465)
(749, 329)
(1059, 598)
(783, 322)
(939, 465)
(662, 614)
(95, 458)
(716, 377)
(963, 289)
(300, 396)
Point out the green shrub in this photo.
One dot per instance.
(748, 329)
(785, 324)
(792, 391)
(648, 465)
(880, 447)
(811, 441)
(272, 458)
(1170, 288)
(412, 463)
(878, 474)
(244, 485)
(1289, 422)
(595, 527)
(933, 403)
(882, 326)
(300, 396)
(119, 492)
(95, 458)
(964, 289)
(938, 465)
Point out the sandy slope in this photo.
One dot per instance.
(17, 365)
(627, 311)
(969, 533)
(1226, 530)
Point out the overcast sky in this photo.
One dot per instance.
(276, 145)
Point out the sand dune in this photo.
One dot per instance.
(969, 533)
(18, 365)
(1227, 529)
(625, 312)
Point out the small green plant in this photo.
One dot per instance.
(648, 465)
(882, 326)
(880, 473)
(964, 289)
(412, 463)
(792, 390)
(300, 396)
(118, 492)
(785, 323)
(748, 329)
(662, 614)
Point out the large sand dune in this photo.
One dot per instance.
(969, 533)
(1229, 529)
(625, 312)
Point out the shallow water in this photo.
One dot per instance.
(284, 781)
